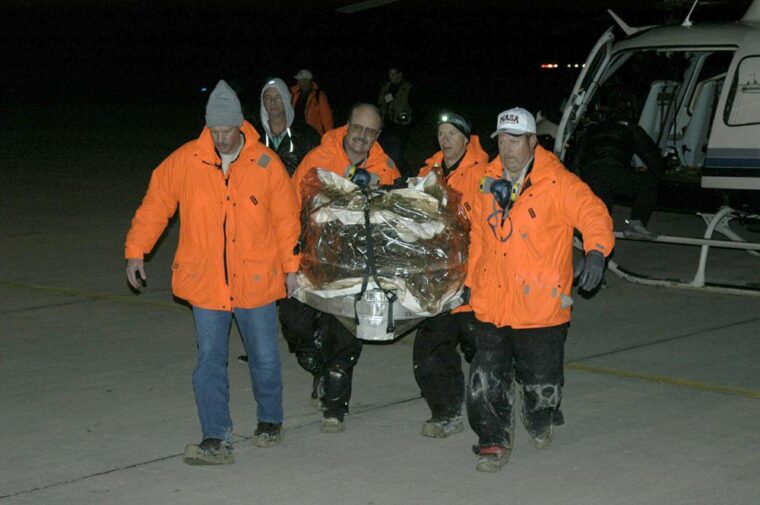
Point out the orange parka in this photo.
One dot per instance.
(318, 111)
(467, 175)
(237, 233)
(330, 155)
(525, 282)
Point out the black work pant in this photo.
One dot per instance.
(437, 364)
(324, 348)
(641, 184)
(531, 357)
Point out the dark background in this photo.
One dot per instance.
(90, 74)
(454, 51)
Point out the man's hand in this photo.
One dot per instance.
(135, 266)
(291, 284)
(593, 271)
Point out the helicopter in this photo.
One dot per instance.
(695, 90)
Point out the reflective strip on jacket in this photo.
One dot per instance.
(237, 236)
(330, 155)
(318, 111)
(522, 282)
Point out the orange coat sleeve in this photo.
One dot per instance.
(158, 206)
(586, 212)
(285, 216)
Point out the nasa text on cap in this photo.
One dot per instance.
(515, 121)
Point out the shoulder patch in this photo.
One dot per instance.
(264, 160)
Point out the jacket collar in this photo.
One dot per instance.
(206, 144)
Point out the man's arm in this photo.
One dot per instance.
(158, 206)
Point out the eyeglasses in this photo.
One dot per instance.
(363, 130)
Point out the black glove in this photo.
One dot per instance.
(361, 178)
(593, 271)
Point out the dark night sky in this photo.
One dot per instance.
(454, 51)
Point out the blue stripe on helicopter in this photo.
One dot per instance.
(733, 158)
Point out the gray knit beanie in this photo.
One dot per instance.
(223, 107)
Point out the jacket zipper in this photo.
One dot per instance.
(224, 231)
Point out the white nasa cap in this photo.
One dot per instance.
(303, 74)
(515, 121)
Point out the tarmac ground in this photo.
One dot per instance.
(662, 394)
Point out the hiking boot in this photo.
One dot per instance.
(492, 458)
(442, 428)
(267, 435)
(636, 229)
(332, 425)
(315, 401)
(212, 451)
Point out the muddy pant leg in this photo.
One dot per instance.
(465, 324)
(299, 327)
(341, 350)
(438, 367)
(539, 354)
(490, 394)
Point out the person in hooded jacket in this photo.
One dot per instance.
(290, 140)
(310, 102)
(523, 219)
(330, 352)
(437, 364)
(237, 254)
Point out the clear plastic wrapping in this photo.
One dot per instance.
(418, 245)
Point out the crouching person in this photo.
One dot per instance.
(521, 245)
(237, 255)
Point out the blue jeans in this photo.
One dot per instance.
(258, 328)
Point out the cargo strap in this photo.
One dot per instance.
(371, 269)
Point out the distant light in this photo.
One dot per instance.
(363, 6)
(549, 65)
(444, 118)
(584, 65)
(204, 89)
(569, 65)
(576, 65)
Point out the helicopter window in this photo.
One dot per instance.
(743, 105)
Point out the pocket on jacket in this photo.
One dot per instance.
(536, 299)
(187, 278)
(263, 282)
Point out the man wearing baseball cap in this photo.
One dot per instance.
(437, 364)
(521, 276)
(310, 102)
(237, 255)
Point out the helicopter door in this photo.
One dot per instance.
(584, 90)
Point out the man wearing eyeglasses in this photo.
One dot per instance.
(331, 352)
(521, 240)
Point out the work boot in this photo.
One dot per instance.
(315, 401)
(636, 229)
(332, 425)
(491, 458)
(267, 435)
(212, 451)
(442, 427)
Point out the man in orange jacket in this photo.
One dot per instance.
(521, 278)
(310, 103)
(437, 364)
(237, 254)
(323, 346)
